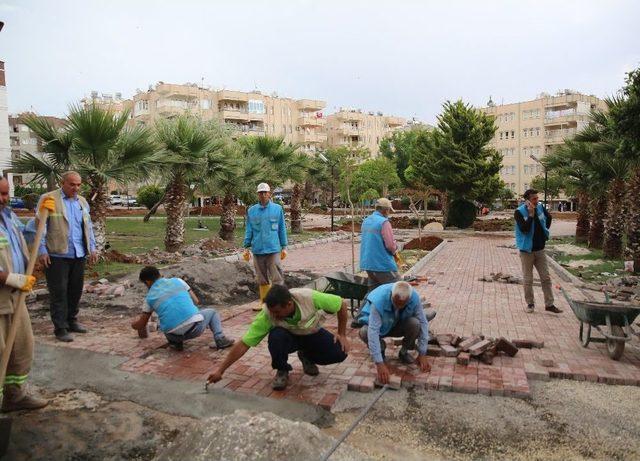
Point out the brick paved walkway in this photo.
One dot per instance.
(465, 306)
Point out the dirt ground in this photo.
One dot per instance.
(564, 420)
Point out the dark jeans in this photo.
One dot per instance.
(65, 279)
(319, 347)
(408, 330)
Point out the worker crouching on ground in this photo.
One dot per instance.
(394, 310)
(176, 306)
(293, 320)
(13, 264)
(266, 235)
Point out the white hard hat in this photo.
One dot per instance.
(264, 187)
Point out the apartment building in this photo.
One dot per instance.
(5, 146)
(23, 140)
(355, 128)
(299, 121)
(529, 130)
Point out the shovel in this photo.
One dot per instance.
(5, 422)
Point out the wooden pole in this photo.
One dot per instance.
(33, 255)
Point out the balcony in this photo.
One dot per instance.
(254, 117)
(227, 95)
(313, 137)
(182, 91)
(349, 116)
(560, 117)
(394, 122)
(310, 104)
(241, 115)
(349, 130)
(311, 120)
(170, 111)
(558, 136)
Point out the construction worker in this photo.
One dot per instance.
(175, 303)
(379, 253)
(394, 310)
(532, 231)
(266, 235)
(69, 243)
(293, 320)
(13, 264)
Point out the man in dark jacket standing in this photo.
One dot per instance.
(532, 231)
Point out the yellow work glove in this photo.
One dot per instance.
(283, 254)
(398, 259)
(48, 204)
(246, 255)
(20, 281)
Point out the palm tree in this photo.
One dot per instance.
(190, 151)
(97, 144)
(235, 180)
(285, 163)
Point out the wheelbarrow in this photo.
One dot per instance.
(616, 317)
(348, 286)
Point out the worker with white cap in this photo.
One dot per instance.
(266, 236)
(379, 253)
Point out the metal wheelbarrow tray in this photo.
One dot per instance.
(348, 286)
(616, 317)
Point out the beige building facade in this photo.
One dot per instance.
(299, 121)
(358, 129)
(529, 130)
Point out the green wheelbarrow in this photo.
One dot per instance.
(617, 318)
(348, 286)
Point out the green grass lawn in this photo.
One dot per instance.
(592, 273)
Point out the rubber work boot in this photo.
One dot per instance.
(16, 399)
(281, 380)
(222, 343)
(405, 356)
(264, 289)
(308, 366)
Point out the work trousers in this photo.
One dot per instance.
(407, 329)
(537, 259)
(268, 269)
(375, 278)
(321, 347)
(65, 279)
(22, 352)
(211, 320)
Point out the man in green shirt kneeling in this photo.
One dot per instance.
(293, 320)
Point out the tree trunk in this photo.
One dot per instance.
(632, 250)
(296, 205)
(175, 206)
(582, 226)
(98, 203)
(228, 218)
(596, 228)
(614, 225)
(444, 201)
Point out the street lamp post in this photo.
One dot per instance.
(546, 177)
(332, 166)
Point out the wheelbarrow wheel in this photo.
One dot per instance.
(615, 347)
(585, 336)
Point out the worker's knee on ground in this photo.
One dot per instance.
(363, 333)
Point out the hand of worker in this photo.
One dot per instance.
(44, 259)
(20, 281)
(383, 373)
(93, 257)
(424, 364)
(246, 254)
(283, 254)
(344, 342)
(48, 204)
(530, 208)
(214, 377)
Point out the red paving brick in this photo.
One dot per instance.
(465, 306)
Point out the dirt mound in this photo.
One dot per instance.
(254, 436)
(215, 244)
(401, 222)
(424, 243)
(153, 257)
(493, 225)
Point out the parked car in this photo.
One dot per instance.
(116, 200)
(16, 202)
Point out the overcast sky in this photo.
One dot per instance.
(401, 57)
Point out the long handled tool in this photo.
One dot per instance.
(5, 423)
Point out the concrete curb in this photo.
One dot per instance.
(564, 274)
(334, 238)
(422, 263)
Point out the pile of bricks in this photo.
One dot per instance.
(500, 277)
(104, 288)
(477, 347)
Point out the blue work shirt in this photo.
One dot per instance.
(266, 231)
(75, 247)
(9, 222)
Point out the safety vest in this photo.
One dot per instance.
(380, 299)
(524, 242)
(9, 295)
(311, 319)
(374, 256)
(172, 302)
(58, 224)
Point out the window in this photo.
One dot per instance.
(537, 131)
(501, 135)
(205, 104)
(526, 169)
(513, 134)
(524, 133)
(256, 107)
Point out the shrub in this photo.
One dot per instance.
(462, 213)
(149, 196)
